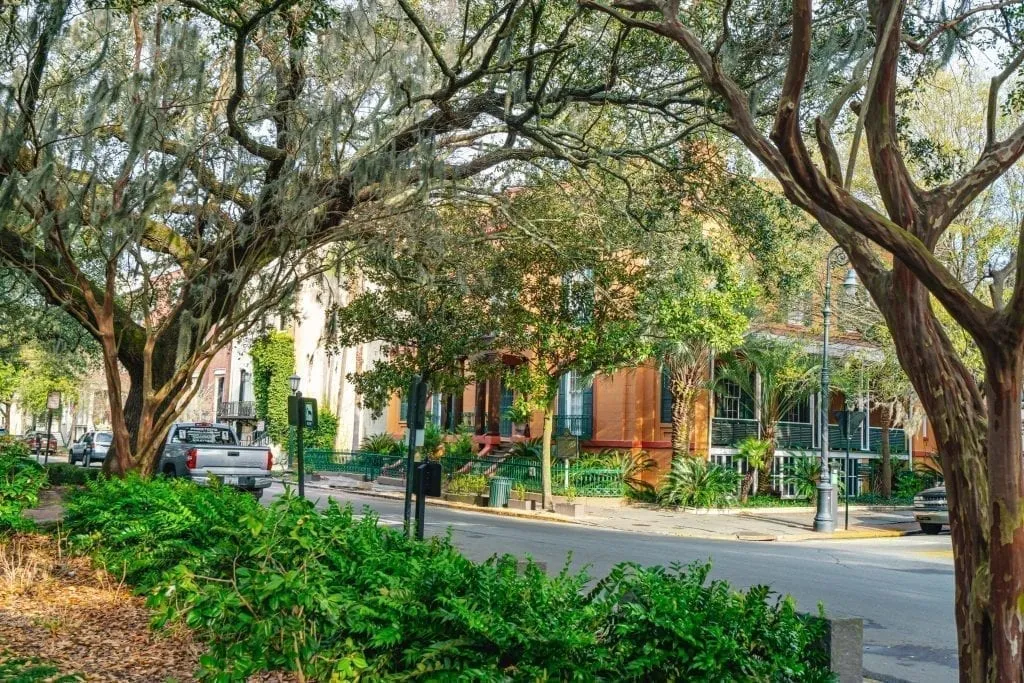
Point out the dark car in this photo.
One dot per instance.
(36, 440)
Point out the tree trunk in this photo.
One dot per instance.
(747, 485)
(682, 420)
(885, 489)
(546, 501)
(764, 479)
(979, 443)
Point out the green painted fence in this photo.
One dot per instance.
(586, 480)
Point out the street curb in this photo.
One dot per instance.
(498, 512)
(753, 537)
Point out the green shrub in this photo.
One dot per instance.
(140, 529)
(13, 448)
(694, 482)
(804, 473)
(66, 474)
(527, 450)
(461, 447)
(433, 437)
(341, 598)
(20, 482)
(462, 484)
(382, 443)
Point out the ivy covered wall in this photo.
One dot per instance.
(273, 362)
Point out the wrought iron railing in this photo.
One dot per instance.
(576, 425)
(242, 410)
(370, 465)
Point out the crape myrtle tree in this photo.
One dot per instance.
(170, 171)
(778, 77)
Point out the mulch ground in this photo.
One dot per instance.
(82, 620)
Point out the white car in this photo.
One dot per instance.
(931, 510)
(91, 447)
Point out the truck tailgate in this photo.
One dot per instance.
(225, 461)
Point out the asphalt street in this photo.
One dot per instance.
(901, 587)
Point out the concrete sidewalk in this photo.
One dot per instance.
(762, 524)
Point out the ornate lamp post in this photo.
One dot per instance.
(823, 520)
(294, 381)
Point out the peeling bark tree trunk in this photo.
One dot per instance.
(980, 449)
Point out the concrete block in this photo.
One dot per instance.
(844, 642)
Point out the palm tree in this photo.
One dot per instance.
(755, 452)
(784, 373)
(685, 365)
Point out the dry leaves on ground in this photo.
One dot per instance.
(83, 621)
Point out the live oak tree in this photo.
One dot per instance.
(778, 78)
(169, 172)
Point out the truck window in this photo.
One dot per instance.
(104, 437)
(216, 436)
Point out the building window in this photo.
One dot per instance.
(801, 412)
(403, 409)
(243, 385)
(220, 390)
(732, 403)
(667, 400)
(578, 292)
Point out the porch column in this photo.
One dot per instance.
(481, 407)
(493, 406)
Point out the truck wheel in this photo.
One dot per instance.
(71, 456)
(931, 529)
(255, 493)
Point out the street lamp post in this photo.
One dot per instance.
(300, 465)
(823, 520)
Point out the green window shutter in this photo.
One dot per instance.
(666, 396)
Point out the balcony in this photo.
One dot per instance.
(729, 432)
(576, 425)
(236, 410)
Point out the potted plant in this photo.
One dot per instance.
(518, 500)
(519, 415)
(570, 507)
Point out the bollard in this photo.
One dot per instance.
(844, 643)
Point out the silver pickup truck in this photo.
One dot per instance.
(199, 450)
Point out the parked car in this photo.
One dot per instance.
(931, 510)
(200, 450)
(91, 447)
(35, 441)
